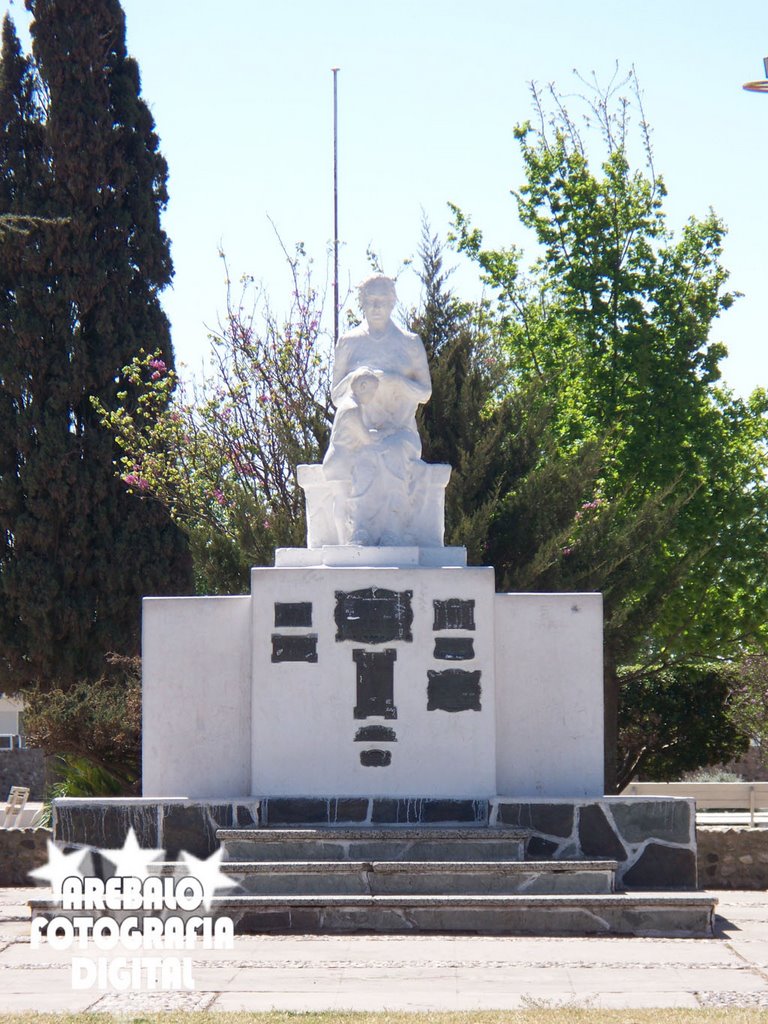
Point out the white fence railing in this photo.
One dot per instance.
(721, 796)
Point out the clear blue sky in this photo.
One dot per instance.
(429, 92)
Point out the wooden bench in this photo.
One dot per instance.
(721, 796)
(17, 799)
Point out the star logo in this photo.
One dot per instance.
(60, 866)
(131, 860)
(209, 874)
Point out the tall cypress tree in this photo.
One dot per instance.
(81, 298)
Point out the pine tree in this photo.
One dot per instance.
(81, 299)
(512, 495)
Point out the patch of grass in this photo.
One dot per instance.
(565, 1014)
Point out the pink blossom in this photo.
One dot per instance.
(567, 552)
(158, 364)
(134, 480)
(219, 496)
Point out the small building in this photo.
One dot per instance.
(11, 723)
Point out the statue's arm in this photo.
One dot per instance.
(415, 377)
(342, 372)
(345, 372)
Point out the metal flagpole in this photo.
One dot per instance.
(335, 211)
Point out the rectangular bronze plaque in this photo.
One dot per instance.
(375, 734)
(293, 613)
(374, 615)
(454, 648)
(294, 648)
(375, 758)
(375, 684)
(454, 613)
(453, 689)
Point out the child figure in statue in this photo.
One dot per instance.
(380, 377)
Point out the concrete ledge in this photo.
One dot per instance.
(405, 844)
(350, 555)
(670, 915)
(426, 878)
(512, 915)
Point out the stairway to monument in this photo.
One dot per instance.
(426, 878)
(434, 879)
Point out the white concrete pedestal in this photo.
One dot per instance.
(355, 716)
(410, 680)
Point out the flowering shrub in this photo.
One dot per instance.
(221, 452)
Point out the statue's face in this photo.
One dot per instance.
(378, 304)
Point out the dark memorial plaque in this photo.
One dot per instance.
(375, 758)
(454, 613)
(453, 689)
(294, 648)
(374, 616)
(375, 684)
(375, 734)
(454, 648)
(293, 613)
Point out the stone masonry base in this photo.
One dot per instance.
(652, 839)
(733, 857)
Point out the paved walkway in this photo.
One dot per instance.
(419, 972)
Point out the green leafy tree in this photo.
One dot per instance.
(674, 720)
(614, 322)
(80, 163)
(748, 705)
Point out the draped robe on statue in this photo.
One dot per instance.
(378, 383)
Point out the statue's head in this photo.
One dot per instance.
(377, 297)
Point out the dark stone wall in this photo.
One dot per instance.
(733, 857)
(652, 839)
(172, 825)
(22, 850)
(24, 767)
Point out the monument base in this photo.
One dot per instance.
(652, 840)
(373, 680)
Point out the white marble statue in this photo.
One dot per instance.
(374, 489)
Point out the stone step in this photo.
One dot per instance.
(674, 915)
(671, 915)
(417, 878)
(394, 843)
